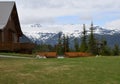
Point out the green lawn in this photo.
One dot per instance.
(90, 70)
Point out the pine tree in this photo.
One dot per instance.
(67, 44)
(59, 45)
(92, 45)
(64, 43)
(83, 46)
(116, 50)
(105, 50)
(59, 38)
(76, 45)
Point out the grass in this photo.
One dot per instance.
(90, 70)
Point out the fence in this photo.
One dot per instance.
(48, 54)
(77, 54)
(66, 54)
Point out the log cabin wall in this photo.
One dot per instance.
(10, 33)
(0, 36)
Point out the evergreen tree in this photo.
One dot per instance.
(44, 48)
(59, 45)
(64, 43)
(67, 44)
(116, 50)
(83, 46)
(105, 50)
(59, 38)
(76, 45)
(92, 45)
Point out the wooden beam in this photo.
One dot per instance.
(2, 36)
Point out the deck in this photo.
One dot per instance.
(16, 46)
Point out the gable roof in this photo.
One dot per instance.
(6, 9)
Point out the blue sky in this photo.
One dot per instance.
(104, 13)
(68, 20)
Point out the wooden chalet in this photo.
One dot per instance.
(10, 30)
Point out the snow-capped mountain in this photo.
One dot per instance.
(49, 33)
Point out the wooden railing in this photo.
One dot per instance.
(77, 54)
(47, 54)
(66, 54)
(16, 46)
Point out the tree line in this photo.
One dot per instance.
(89, 43)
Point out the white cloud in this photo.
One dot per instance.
(114, 25)
(68, 28)
(45, 11)
(36, 10)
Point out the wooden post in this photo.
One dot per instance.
(2, 36)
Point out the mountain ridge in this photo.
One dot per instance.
(49, 34)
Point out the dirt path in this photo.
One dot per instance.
(5, 56)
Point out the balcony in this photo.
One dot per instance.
(16, 47)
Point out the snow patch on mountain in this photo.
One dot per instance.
(45, 32)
